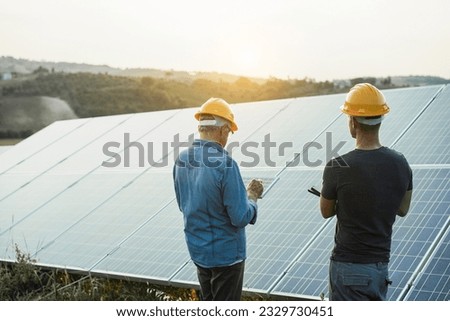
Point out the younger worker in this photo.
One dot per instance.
(215, 204)
(365, 188)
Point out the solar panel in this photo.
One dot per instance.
(155, 251)
(405, 106)
(127, 204)
(433, 283)
(37, 193)
(42, 225)
(287, 221)
(274, 143)
(426, 142)
(414, 234)
(134, 129)
(38, 142)
(123, 220)
(55, 153)
(101, 187)
(412, 237)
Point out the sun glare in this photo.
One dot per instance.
(247, 61)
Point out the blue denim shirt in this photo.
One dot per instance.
(213, 199)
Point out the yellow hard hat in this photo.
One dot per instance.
(365, 100)
(217, 107)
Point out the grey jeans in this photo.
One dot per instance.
(358, 282)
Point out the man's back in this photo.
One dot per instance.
(369, 186)
(213, 199)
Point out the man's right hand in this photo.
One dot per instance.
(255, 189)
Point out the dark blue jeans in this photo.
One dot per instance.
(358, 282)
(221, 283)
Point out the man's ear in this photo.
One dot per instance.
(353, 121)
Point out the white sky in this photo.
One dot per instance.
(319, 39)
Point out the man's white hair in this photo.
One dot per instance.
(212, 120)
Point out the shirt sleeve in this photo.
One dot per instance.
(329, 182)
(177, 193)
(410, 185)
(240, 209)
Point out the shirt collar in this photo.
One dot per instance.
(209, 143)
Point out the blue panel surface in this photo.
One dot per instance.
(38, 142)
(433, 283)
(427, 141)
(412, 237)
(60, 203)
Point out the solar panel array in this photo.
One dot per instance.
(96, 195)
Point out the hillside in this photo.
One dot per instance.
(22, 116)
(34, 94)
(24, 66)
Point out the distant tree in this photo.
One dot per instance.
(370, 80)
(147, 81)
(386, 82)
(40, 70)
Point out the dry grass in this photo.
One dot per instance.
(25, 281)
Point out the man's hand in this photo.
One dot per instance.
(255, 189)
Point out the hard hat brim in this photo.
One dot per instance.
(364, 110)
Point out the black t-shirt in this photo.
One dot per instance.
(369, 186)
